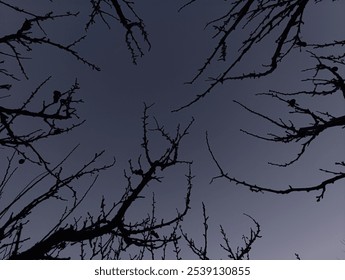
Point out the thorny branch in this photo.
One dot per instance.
(17, 44)
(242, 252)
(326, 81)
(260, 20)
(110, 233)
(284, 21)
(122, 11)
(111, 223)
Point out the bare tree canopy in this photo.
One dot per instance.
(325, 80)
(250, 40)
(40, 117)
(277, 26)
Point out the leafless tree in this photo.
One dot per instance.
(122, 11)
(281, 23)
(37, 119)
(241, 252)
(107, 234)
(277, 26)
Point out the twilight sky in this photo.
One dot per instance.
(113, 105)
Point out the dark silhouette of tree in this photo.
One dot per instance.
(277, 26)
(56, 116)
(109, 234)
(281, 23)
(122, 11)
(276, 30)
(37, 119)
(241, 253)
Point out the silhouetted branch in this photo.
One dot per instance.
(110, 225)
(49, 119)
(241, 253)
(186, 5)
(23, 40)
(259, 20)
(123, 11)
(201, 252)
(313, 132)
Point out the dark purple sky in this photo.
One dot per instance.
(113, 107)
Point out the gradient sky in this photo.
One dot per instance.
(113, 105)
